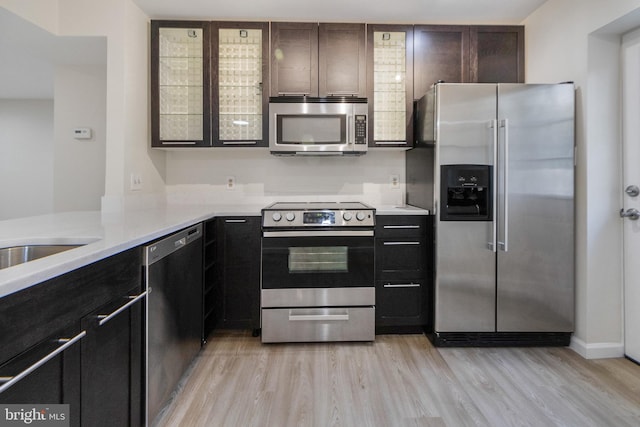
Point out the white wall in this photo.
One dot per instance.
(26, 157)
(126, 28)
(79, 165)
(200, 177)
(127, 32)
(579, 40)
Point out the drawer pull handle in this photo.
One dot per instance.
(239, 142)
(235, 221)
(318, 317)
(104, 318)
(400, 243)
(66, 343)
(402, 285)
(397, 227)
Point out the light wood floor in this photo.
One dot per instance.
(401, 380)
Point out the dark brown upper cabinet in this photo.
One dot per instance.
(294, 58)
(441, 53)
(180, 88)
(342, 60)
(239, 72)
(390, 85)
(497, 54)
(313, 59)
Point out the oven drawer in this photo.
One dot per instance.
(318, 324)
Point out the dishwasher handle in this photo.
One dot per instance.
(165, 247)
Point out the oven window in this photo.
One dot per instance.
(313, 259)
(308, 129)
(317, 262)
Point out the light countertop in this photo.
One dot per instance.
(400, 210)
(103, 235)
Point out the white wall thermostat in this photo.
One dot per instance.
(82, 133)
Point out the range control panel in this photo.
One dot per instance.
(285, 216)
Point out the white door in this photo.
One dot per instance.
(631, 200)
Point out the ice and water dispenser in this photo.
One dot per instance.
(465, 193)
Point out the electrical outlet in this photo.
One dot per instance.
(136, 182)
(394, 181)
(231, 183)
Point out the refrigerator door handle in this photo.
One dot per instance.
(493, 125)
(504, 245)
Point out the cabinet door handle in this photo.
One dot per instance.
(235, 221)
(239, 142)
(104, 318)
(401, 226)
(66, 343)
(400, 243)
(293, 94)
(390, 143)
(179, 142)
(402, 285)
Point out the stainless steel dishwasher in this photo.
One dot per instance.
(173, 272)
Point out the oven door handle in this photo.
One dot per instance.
(319, 233)
(300, 316)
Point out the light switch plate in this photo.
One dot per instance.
(136, 182)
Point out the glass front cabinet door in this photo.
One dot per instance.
(239, 67)
(390, 85)
(180, 77)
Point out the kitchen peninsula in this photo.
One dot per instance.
(55, 325)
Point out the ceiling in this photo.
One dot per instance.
(381, 11)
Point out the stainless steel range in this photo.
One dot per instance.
(318, 272)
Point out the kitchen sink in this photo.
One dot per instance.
(20, 254)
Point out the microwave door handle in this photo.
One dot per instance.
(350, 130)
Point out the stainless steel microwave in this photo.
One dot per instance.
(317, 126)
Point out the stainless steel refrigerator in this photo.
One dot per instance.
(503, 196)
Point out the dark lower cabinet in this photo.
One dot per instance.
(211, 283)
(401, 256)
(238, 295)
(402, 303)
(404, 286)
(57, 378)
(111, 364)
(50, 332)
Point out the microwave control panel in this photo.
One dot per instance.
(360, 129)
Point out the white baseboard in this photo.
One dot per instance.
(605, 350)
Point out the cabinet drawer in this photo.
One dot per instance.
(401, 225)
(318, 324)
(400, 302)
(406, 255)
